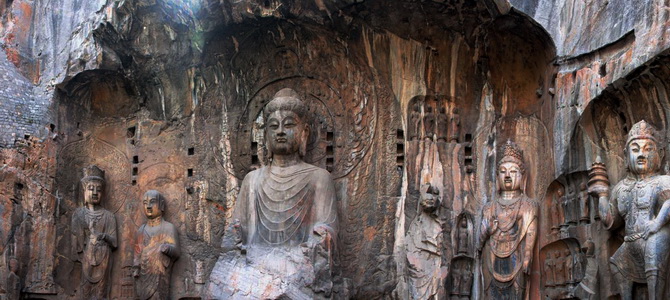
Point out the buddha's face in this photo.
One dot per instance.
(152, 206)
(643, 156)
(285, 132)
(93, 192)
(429, 202)
(509, 177)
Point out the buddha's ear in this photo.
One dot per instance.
(161, 202)
(304, 139)
(525, 183)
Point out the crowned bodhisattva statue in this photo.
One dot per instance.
(508, 230)
(94, 237)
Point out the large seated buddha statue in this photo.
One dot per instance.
(280, 242)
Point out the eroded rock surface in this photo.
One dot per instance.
(169, 96)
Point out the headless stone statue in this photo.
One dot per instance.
(281, 241)
(639, 202)
(508, 231)
(94, 237)
(156, 249)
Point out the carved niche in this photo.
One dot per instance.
(564, 266)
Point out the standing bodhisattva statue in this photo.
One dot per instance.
(639, 202)
(94, 237)
(508, 230)
(156, 249)
(281, 241)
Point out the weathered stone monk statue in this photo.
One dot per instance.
(423, 248)
(281, 241)
(508, 230)
(94, 237)
(156, 249)
(638, 202)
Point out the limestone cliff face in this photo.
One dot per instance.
(168, 95)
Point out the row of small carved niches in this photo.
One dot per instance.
(569, 270)
(569, 221)
(434, 118)
(568, 209)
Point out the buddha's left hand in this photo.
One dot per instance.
(652, 227)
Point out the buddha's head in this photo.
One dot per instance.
(511, 169)
(286, 124)
(430, 200)
(154, 204)
(642, 144)
(93, 183)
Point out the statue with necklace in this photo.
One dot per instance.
(508, 230)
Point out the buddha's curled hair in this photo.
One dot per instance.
(288, 99)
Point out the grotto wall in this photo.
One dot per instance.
(408, 98)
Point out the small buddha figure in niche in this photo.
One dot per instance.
(94, 237)
(572, 215)
(508, 230)
(456, 277)
(423, 247)
(429, 122)
(584, 216)
(466, 281)
(554, 215)
(463, 236)
(639, 203)
(13, 281)
(559, 270)
(283, 231)
(415, 122)
(569, 276)
(156, 249)
(549, 269)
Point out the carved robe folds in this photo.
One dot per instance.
(636, 202)
(285, 248)
(94, 254)
(512, 236)
(424, 256)
(155, 267)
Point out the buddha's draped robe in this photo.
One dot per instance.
(280, 206)
(95, 256)
(288, 226)
(155, 266)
